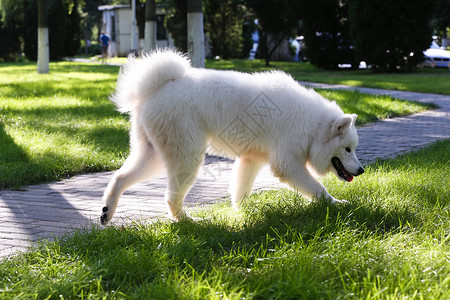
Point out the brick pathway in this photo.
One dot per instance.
(48, 210)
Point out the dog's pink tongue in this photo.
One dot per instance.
(349, 178)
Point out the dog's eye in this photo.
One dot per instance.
(348, 149)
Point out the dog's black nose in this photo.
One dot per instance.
(360, 170)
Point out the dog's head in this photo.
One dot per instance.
(336, 148)
(344, 163)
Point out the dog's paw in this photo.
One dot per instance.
(337, 201)
(104, 217)
(181, 215)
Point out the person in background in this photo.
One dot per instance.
(104, 42)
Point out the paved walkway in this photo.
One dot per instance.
(48, 210)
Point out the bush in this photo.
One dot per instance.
(11, 15)
(18, 29)
(327, 33)
(391, 35)
(223, 23)
(176, 23)
(9, 43)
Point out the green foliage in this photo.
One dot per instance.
(91, 17)
(391, 35)
(224, 22)
(391, 242)
(326, 30)
(9, 18)
(72, 29)
(441, 18)
(228, 25)
(19, 28)
(176, 23)
(277, 21)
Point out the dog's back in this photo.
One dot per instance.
(140, 77)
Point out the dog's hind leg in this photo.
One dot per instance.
(243, 177)
(142, 164)
(182, 172)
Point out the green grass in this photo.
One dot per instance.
(56, 125)
(391, 242)
(424, 80)
(59, 124)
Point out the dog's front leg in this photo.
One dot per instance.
(301, 180)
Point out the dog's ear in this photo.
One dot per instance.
(341, 124)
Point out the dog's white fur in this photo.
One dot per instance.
(178, 111)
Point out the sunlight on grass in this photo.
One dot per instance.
(424, 80)
(61, 123)
(392, 241)
(371, 108)
(352, 82)
(56, 125)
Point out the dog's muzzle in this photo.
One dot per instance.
(342, 171)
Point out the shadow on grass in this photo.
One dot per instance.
(147, 255)
(97, 128)
(267, 225)
(285, 219)
(11, 156)
(275, 232)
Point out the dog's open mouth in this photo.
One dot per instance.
(342, 172)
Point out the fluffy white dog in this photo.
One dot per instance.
(178, 113)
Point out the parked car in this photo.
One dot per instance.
(436, 57)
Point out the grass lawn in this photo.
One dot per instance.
(56, 125)
(391, 242)
(424, 80)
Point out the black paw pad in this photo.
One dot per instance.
(104, 216)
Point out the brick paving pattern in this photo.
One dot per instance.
(54, 209)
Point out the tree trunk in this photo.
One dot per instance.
(43, 56)
(134, 37)
(150, 25)
(196, 41)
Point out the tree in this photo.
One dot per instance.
(11, 16)
(91, 17)
(57, 18)
(195, 35)
(150, 25)
(391, 35)
(19, 28)
(442, 19)
(326, 29)
(176, 23)
(277, 21)
(43, 56)
(72, 29)
(224, 22)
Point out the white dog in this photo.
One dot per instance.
(178, 113)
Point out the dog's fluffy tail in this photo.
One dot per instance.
(140, 77)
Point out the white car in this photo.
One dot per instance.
(436, 57)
